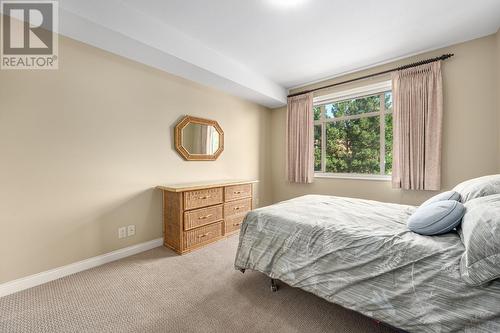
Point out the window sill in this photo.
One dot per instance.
(385, 178)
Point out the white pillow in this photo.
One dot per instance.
(480, 233)
(448, 195)
(478, 187)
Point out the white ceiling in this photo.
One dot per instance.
(257, 49)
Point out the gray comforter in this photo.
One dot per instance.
(360, 254)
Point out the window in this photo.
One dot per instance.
(353, 133)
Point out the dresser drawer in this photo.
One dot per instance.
(233, 223)
(236, 192)
(202, 198)
(203, 235)
(197, 218)
(240, 207)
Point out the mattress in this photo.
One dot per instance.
(360, 254)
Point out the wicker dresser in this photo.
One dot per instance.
(195, 215)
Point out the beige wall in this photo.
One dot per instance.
(470, 139)
(83, 147)
(498, 92)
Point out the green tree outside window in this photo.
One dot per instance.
(354, 136)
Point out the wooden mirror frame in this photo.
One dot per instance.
(197, 157)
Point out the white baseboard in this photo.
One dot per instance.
(57, 273)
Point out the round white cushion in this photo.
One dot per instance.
(436, 218)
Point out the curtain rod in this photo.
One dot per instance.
(415, 64)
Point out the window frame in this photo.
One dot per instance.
(377, 89)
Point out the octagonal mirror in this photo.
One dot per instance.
(198, 139)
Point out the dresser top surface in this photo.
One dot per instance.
(203, 185)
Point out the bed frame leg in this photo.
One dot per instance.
(274, 286)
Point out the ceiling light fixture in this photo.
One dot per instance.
(286, 3)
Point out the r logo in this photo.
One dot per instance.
(27, 28)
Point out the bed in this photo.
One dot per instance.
(360, 254)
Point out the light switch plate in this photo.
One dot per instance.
(131, 230)
(122, 232)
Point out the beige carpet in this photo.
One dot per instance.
(159, 291)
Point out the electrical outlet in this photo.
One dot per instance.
(122, 232)
(131, 230)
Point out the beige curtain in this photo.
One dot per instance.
(300, 136)
(418, 113)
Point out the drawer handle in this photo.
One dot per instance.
(239, 207)
(205, 197)
(204, 217)
(237, 192)
(236, 224)
(204, 235)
